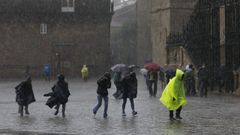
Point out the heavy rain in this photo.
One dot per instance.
(119, 67)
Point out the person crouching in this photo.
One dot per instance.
(173, 96)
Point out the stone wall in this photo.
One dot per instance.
(77, 40)
(76, 44)
(168, 16)
(144, 44)
(160, 29)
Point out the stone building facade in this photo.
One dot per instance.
(144, 44)
(63, 33)
(169, 16)
(166, 16)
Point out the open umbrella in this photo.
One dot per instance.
(133, 67)
(143, 71)
(152, 67)
(120, 68)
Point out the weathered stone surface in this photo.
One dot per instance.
(78, 37)
(144, 45)
(166, 16)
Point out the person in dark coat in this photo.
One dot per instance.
(203, 81)
(221, 77)
(189, 81)
(153, 79)
(129, 84)
(24, 95)
(59, 95)
(104, 83)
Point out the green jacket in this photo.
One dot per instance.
(173, 95)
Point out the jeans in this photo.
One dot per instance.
(99, 98)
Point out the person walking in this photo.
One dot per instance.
(129, 84)
(173, 96)
(203, 81)
(24, 95)
(84, 72)
(104, 83)
(153, 79)
(117, 77)
(59, 95)
(189, 80)
(47, 72)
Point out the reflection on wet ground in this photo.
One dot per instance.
(216, 115)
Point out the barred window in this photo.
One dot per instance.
(68, 5)
(43, 28)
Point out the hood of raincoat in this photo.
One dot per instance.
(173, 95)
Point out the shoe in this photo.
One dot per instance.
(94, 113)
(178, 117)
(172, 119)
(105, 116)
(124, 114)
(56, 113)
(134, 113)
(27, 112)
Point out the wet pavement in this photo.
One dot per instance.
(215, 115)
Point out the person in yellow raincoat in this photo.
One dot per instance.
(84, 72)
(173, 96)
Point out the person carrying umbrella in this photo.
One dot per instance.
(119, 70)
(152, 77)
(24, 95)
(173, 96)
(117, 77)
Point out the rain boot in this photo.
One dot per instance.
(63, 110)
(178, 112)
(26, 110)
(21, 110)
(171, 115)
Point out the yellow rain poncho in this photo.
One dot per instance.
(173, 95)
(84, 71)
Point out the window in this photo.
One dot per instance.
(122, 1)
(43, 28)
(68, 5)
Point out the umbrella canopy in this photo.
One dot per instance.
(133, 66)
(152, 67)
(120, 68)
(143, 71)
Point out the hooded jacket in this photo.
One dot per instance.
(173, 95)
(103, 84)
